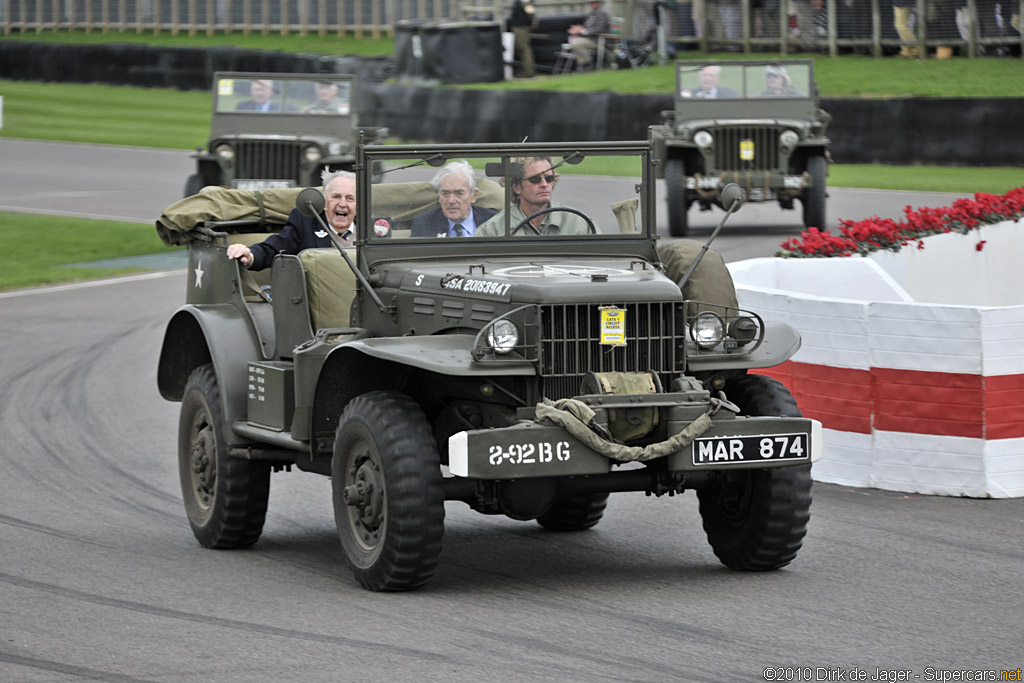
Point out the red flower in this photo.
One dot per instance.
(872, 234)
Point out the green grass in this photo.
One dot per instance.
(330, 44)
(843, 76)
(146, 117)
(29, 259)
(839, 77)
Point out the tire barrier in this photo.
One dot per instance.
(898, 131)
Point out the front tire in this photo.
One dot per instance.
(193, 185)
(756, 520)
(813, 198)
(676, 198)
(576, 513)
(387, 491)
(225, 498)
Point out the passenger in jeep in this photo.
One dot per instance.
(305, 232)
(533, 183)
(457, 214)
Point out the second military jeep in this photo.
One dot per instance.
(272, 130)
(753, 123)
(530, 373)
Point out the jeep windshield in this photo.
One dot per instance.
(750, 81)
(277, 96)
(587, 193)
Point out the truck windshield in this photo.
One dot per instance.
(529, 194)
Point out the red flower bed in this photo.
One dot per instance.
(874, 234)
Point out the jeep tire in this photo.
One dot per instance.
(387, 492)
(193, 185)
(676, 198)
(225, 498)
(576, 513)
(756, 519)
(813, 197)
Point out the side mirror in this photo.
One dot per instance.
(732, 197)
(310, 202)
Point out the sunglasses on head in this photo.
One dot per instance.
(535, 179)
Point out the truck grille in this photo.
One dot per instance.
(727, 149)
(268, 159)
(570, 345)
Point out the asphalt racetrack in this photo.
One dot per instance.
(102, 580)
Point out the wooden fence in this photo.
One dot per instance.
(828, 26)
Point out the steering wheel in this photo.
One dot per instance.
(525, 223)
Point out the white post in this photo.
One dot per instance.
(1, 112)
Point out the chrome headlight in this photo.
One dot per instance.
(312, 154)
(224, 151)
(789, 138)
(503, 336)
(707, 330)
(703, 139)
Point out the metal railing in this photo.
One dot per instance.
(784, 26)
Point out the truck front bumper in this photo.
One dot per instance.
(532, 450)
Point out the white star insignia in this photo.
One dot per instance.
(321, 233)
(199, 276)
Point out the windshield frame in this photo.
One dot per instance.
(374, 249)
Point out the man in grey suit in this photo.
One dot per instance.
(261, 92)
(457, 214)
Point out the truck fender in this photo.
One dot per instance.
(186, 346)
(365, 365)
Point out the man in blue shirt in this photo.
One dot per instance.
(457, 214)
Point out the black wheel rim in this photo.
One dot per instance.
(365, 496)
(202, 463)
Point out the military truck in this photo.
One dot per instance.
(755, 123)
(529, 373)
(272, 130)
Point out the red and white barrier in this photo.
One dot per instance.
(913, 361)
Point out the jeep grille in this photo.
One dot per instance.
(570, 345)
(727, 149)
(268, 159)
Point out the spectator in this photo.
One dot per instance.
(583, 38)
(457, 214)
(903, 12)
(305, 232)
(533, 183)
(522, 22)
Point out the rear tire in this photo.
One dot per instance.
(576, 513)
(225, 498)
(387, 490)
(756, 520)
(813, 198)
(677, 198)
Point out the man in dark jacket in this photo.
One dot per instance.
(457, 214)
(305, 232)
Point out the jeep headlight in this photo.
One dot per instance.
(503, 336)
(224, 151)
(312, 154)
(789, 138)
(703, 139)
(707, 330)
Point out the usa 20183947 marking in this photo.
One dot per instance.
(529, 453)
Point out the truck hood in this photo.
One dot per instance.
(561, 280)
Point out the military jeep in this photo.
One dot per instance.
(753, 123)
(272, 130)
(530, 373)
